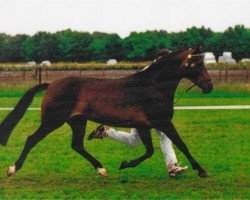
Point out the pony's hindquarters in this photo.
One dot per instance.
(59, 101)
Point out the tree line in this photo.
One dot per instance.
(74, 46)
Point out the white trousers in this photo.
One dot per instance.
(133, 139)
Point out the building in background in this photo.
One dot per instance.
(227, 58)
(209, 58)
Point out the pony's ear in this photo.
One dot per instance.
(200, 47)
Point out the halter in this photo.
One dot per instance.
(192, 65)
(190, 56)
(195, 55)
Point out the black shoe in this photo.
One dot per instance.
(98, 133)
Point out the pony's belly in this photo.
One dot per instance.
(129, 117)
(115, 122)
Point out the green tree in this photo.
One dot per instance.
(45, 47)
(105, 46)
(27, 49)
(215, 44)
(237, 41)
(4, 47)
(73, 45)
(143, 46)
(15, 51)
(80, 48)
(65, 43)
(190, 37)
(114, 47)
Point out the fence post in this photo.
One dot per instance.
(23, 74)
(103, 72)
(246, 74)
(220, 74)
(39, 75)
(226, 73)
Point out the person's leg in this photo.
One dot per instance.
(132, 138)
(169, 155)
(167, 149)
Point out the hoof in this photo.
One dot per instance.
(123, 165)
(102, 172)
(203, 174)
(11, 170)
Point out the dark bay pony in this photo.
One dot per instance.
(143, 101)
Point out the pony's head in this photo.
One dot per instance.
(187, 63)
(193, 68)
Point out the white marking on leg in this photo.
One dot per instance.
(11, 170)
(102, 172)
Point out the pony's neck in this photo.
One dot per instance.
(165, 76)
(167, 85)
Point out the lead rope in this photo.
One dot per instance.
(186, 91)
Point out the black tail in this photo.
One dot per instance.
(9, 123)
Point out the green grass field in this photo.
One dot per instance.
(218, 139)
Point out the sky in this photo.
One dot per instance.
(120, 16)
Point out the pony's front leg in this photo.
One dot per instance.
(170, 131)
(146, 139)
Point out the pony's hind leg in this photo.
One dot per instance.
(146, 139)
(78, 125)
(32, 140)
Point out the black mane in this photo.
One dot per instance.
(170, 55)
(153, 67)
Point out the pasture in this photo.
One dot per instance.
(218, 139)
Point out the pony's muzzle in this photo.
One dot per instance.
(206, 86)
